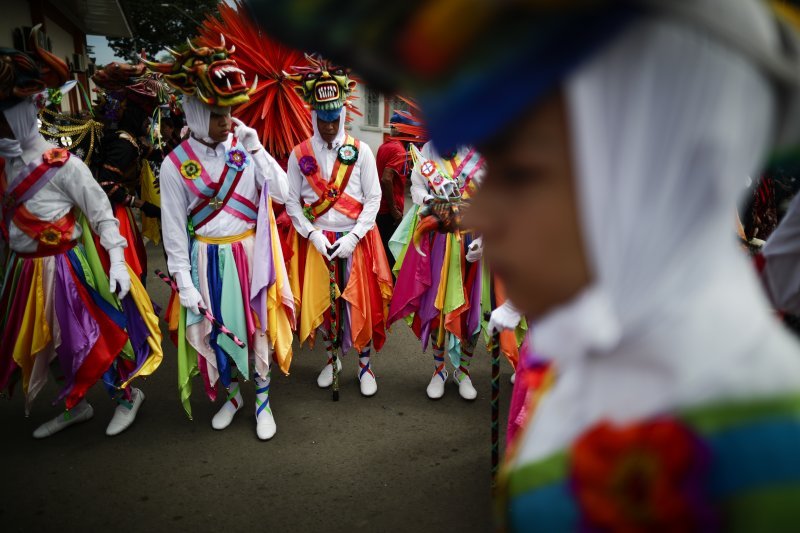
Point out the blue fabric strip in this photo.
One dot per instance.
(758, 455)
(113, 313)
(214, 274)
(243, 209)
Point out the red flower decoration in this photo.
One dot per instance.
(56, 157)
(332, 193)
(643, 477)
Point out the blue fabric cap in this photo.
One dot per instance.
(477, 104)
(329, 115)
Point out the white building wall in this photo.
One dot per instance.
(359, 128)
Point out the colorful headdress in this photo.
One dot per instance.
(206, 72)
(24, 75)
(408, 123)
(325, 86)
(461, 54)
(275, 110)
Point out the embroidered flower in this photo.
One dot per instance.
(50, 237)
(308, 165)
(237, 159)
(308, 212)
(642, 477)
(191, 169)
(332, 192)
(56, 157)
(348, 154)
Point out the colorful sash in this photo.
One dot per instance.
(28, 182)
(215, 197)
(466, 170)
(331, 192)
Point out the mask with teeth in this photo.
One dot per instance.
(323, 85)
(207, 73)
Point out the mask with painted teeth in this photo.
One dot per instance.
(323, 85)
(207, 73)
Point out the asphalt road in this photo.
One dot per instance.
(394, 462)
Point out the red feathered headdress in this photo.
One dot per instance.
(275, 110)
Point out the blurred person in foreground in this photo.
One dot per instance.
(614, 159)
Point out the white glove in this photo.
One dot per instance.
(118, 276)
(427, 199)
(247, 136)
(504, 317)
(188, 294)
(345, 246)
(475, 250)
(320, 242)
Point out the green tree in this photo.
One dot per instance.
(157, 24)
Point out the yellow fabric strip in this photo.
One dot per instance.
(341, 171)
(279, 328)
(316, 293)
(226, 240)
(32, 336)
(145, 308)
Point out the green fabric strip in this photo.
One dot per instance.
(90, 262)
(772, 509)
(187, 365)
(538, 474)
(400, 240)
(721, 416)
(454, 291)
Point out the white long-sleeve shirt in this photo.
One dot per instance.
(177, 200)
(72, 185)
(419, 183)
(364, 186)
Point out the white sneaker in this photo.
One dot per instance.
(80, 413)
(435, 388)
(325, 378)
(368, 384)
(465, 388)
(225, 415)
(124, 416)
(265, 425)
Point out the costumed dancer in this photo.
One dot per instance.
(57, 298)
(339, 267)
(443, 287)
(228, 260)
(675, 399)
(276, 111)
(128, 101)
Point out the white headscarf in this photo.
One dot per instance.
(22, 120)
(198, 117)
(665, 122)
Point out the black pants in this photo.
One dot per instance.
(386, 226)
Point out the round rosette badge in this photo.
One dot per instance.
(308, 165)
(348, 154)
(237, 159)
(191, 169)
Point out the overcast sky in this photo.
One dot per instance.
(101, 51)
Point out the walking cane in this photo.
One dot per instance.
(495, 347)
(336, 338)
